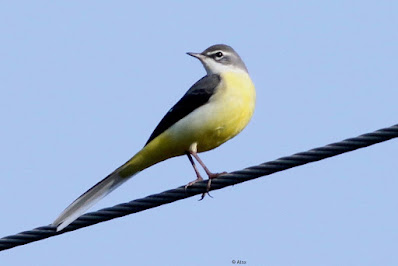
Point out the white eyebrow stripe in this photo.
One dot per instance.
(218, 51)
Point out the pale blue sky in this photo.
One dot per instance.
(84, 83)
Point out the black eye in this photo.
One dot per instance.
(218, 55)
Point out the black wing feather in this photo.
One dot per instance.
(195, 97)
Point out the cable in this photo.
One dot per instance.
(200, 187)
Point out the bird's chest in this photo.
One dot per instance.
(230, 111)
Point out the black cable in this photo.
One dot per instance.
(200, 187)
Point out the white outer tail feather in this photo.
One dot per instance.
(88, 199)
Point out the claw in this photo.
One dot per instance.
(204, 194)
(211, 177)
(193, 182)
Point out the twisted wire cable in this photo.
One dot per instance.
(179, 193)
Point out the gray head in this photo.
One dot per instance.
(220, 58)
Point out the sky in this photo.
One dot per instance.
(84, 83)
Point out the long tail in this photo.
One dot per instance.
(89, 198)
(156, 151)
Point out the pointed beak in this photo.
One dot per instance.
(196, 55)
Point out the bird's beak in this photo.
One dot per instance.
(197, 55)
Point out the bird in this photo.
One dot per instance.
(214, 110)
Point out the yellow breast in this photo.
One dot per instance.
(231, 109)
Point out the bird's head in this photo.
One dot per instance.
(220, 58)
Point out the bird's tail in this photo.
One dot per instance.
(156, 151)
(89, 198)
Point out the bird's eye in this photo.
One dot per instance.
(218, 55)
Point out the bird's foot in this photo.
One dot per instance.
(215, 175)
(193, 182)
(211, 177)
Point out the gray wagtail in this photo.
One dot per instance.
(214, 110)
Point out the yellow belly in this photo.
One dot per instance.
(226, 114)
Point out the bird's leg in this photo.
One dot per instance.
(199, 177)
(210, 174)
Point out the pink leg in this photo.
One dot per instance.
(210, 174)
(199, 177)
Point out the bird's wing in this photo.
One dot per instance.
(196, 96)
